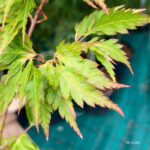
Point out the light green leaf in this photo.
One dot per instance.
(9, 90)
(14, 69)
(7, 36)
(51, 94)
(30, 113)
(108, 66)
(45, 116)
(87, 69)
(8, 4)
(35, 93)
(74, 48)
(66, 110)
(23, 81)
(16, 51)
(51, 74)
(112, 49)
(22, 11)
(81, 91)
(23, 143)
(118, 21)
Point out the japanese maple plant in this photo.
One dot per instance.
(54, 84)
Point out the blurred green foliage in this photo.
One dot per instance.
(62, 17)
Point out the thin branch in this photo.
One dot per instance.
(83, 38)
(42, 57)
(44, 16)
(35, 19)
(27, 129)
(38, 59)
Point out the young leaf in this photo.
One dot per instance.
(50, 73)
(112, 49)
(74, 48)
(118, 21)
(16, 51)
(81, 91)
(89, 70)
(46, 105)
(8, 4)
(30, 113)
(9, 90)
(101, 3)
(108, 66)
(51, 94)
(14, 69)
(66, 111)
(85, 27)
(23, 81)
(45, 116)
(35, 93)
(7, 36)
(22, 11)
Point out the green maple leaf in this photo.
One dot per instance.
(81, 91)
(8, 4)
(45, 116)
(35, 93)
(50, 73)
(19, 14)
(9, 88)
(14, 59)
(54, 99)
(50, 96)
(66, 110)
(89, 70)
(29, 113)
(16, 51)
(107, 51)
(118, 21)
(23, 81)
(108, 66)
(74, 48)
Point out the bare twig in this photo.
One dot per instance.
(44, 16)
(42, 57)
(35, 19)
(83, 38)
(27, 129)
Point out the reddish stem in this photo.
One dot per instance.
(35, 19)
(27, 129)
